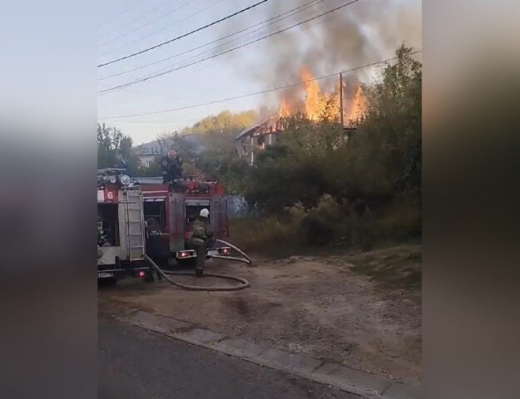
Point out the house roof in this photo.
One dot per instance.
(155, 148)
(246, 132)
(150, 148)
(271, 125)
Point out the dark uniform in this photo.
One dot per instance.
(121, 163)
(171, 169)
(101, 239)
(202, 235)
(101, 236)
(154, 244)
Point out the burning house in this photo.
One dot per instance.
(343, 104)
(256, 138)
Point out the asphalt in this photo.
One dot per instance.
(134, 363)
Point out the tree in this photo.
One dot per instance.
(112, 142)
(109, 143)
(381, 161)
(131, 159)
(214, 155)
(387, 146)
(294, 170)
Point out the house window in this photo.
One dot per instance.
(260, 141)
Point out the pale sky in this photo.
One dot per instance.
(148, 22)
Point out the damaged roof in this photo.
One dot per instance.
(271, 125)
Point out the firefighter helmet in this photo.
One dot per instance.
(204, 213)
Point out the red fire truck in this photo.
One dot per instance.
(173, 206)
(120, 219)
(123, 206)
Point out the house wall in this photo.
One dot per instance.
(257, 143)
(146, 160)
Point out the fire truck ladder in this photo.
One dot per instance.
(135, 224)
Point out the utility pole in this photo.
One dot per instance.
(341, 99)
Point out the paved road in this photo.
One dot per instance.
(134, 363)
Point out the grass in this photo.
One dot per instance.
(398, 268)
(380, 246)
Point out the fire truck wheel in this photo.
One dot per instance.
(109, 282)
(148, 278)
(187, 263)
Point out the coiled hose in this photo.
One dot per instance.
(244, 283)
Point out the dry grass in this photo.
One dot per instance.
(394, 268)
(328, 228)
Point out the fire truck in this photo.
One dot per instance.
(125, 203)
(174, 205)
(121, 221)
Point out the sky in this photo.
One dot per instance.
(130, 26)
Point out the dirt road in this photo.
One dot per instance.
(361, 310)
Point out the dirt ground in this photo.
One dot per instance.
(358, 309)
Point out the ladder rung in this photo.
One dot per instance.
(136, 234)
(137, 246)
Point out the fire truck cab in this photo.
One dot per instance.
(120, 218)
(173, 207)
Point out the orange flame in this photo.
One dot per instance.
(316, 105)
(358, 108)
(285, 109)
(313, 97)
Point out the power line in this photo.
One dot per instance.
(267, 22)
(226, 51)
(228, 44)
(176, 22)
(316, 22)
(159, 122)
(208, 65)
(185, 34)
(123, 12)
(146, 23)
(140, 16)
(258, 92)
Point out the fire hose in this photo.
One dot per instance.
(243, 282)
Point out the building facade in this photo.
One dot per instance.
(148, 152)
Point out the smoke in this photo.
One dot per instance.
(362, 33)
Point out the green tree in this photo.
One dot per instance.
(131, 159)
(112, 142)
(215, 156)
(294, 170)
(108, 144)
(386, 150)
(381, 161)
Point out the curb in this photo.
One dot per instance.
(367, 385)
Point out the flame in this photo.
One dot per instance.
(313, 97)
(316, 105)
(285, 109)
(358, 108)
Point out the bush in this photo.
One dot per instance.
(316, 231)
(358, 194)
(328, 225)
(269, 235)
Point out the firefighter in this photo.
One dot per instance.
(201, 237)
(121, 163)
(153, 243)
(102, 238)
(171, 167)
